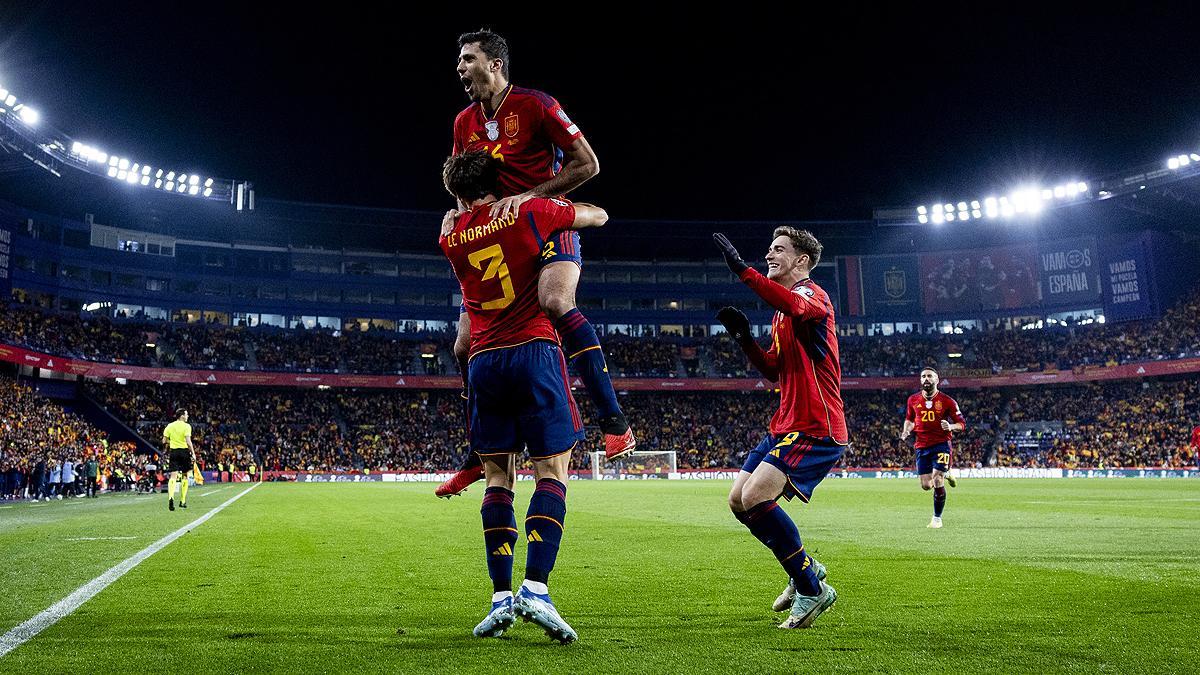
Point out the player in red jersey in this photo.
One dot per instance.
(808, 432)
(542, 153)
(934, 417)
(518, 394)
(1196, 445)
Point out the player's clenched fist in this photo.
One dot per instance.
(735, 323)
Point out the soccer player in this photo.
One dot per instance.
(808, 432)
(1196, 445)
(518, 393)
(177, 436)
(934, 417)
(542, 154)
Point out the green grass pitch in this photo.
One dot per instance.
(656, 576)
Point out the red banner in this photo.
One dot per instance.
(95, 369)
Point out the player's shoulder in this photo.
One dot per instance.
(946, 397)
(536, 96)
(912, 398)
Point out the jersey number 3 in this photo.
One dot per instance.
(495, 268)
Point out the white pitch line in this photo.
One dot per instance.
(99, 538)
(213, 492)
(48, 617)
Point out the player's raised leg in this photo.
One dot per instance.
(557, 283)
(472, 468)
(543, 531)
(499, 537)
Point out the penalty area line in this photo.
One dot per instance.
(49, 616)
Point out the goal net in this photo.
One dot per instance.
(636, 465)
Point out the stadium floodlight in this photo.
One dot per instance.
(112, 161)
(975, 205)
(157, 183)
(207, 192)
(1047, 194)
(193, 180)
(1173, 163)
(112, 172)
(949, 216)
(1184, 160)
(10, 100)
(208, 183)
(1195, 157)
(145, 180)
(1083, 187)
(922, 219)
(194, 189)
(30, 116)
(937, 217)
(122, 174)
(123, 164)
(976, 213)
(962, 206)
(170, 186)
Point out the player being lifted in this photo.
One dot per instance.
(518, 393)
(530, 135)
(935, 417)
(808, 432)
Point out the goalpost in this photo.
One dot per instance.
(639, 464)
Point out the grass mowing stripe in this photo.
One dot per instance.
(48, 617)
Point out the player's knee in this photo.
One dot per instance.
(735, 503)
(555, 304)
(926, 485)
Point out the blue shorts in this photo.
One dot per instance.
(934, 457)
(805, 461)
(562, 246)
(519, 398)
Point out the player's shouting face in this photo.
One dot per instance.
(477, 72)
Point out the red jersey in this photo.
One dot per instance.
(1196, 438)
(804, 358)
(927, 415)
(496, 262)
(527, 133)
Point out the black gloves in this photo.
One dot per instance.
(735, 322)
(735, 262)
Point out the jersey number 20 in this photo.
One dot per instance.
(495, 268)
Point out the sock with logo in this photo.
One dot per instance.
(499, 535)
(544, 528)
(774, 528)
(939, 501)
(582, 347)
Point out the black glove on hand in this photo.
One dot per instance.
(735, 262)
(735, 322)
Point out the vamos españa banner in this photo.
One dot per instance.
(109, 371)
(1069, 272)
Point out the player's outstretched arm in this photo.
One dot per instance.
(738, 326)
(782, 299)
(580, 164)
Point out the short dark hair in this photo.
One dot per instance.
(491, 44)
(471, 175)
(180, 413)
(930, 369)
(803, 241)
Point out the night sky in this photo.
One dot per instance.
(805, 115)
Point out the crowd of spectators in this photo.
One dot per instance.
(47, 452)
(1126, 424)
(1058, 347)
(633, 357)
(97, 339)
(295, 429)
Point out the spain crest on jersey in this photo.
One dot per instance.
(512, 124)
